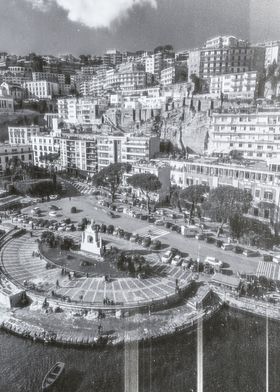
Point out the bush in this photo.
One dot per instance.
(73, 210)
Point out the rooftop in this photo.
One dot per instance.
(232, 281)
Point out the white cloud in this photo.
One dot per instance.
(93, 13)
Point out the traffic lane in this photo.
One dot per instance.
(201, 249)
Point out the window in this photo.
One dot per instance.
(268, 195)
(266, 214)
(257, 193)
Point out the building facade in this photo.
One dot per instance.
(255, 134)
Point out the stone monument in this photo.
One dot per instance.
(91, 240)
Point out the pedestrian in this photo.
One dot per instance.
(57, 283)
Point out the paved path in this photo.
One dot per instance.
(22, 266)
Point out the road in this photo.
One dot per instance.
(87, 207)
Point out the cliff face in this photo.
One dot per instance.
(186, 129)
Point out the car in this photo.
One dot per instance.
(250, 253)
(120, 233)
(110, 229)
(227, 246)
(155, 245)
(176, 228)
(146, 242)
(168, 225)
(210, 239)
(219, 243)
(186, 262)
(177, 260)
(111, 214)
(61, 228)
(127, 235)
(267, 257)
(54, 207)
(134, 237)
(144, 217)
(151, 219)
(200, 236)
(53, 197)
(214, 262)
(80, 226)
(167, 256)
(238, 249)
(159, 222)
(52, 213)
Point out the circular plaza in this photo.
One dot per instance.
(28, 266)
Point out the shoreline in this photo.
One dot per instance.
(13, 325)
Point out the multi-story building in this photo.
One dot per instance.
(222, 56)
(150, 64)
(44, 144)
(7, 152)
(41, 89)
(83, 111)
(272, 52)
(22, 134)
(6, 101)
(127, 77)
(126, 149)
(239, 85)
(79, 152)
(160, 169)
(112, 57)
(261, 180)
(255, 134)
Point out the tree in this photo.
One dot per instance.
(226, 201)
(147, 183)
(194, 195)
(175, 198)
(48, 238)
(111, 177)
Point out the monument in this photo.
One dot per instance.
(91, 240)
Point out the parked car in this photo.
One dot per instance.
(167, 257)
(177, 260)
(52, 213)
(200, 236)
(250, 253)
(151, 219)
(54, 207)
(159, 222)
(210, 240)
(111, 214)
(53, 197)
(213, 261)
(134, 237)
(227, 246)
(110, 229)
(127, 235)
(168, 225)
(144, 217)
(238, 249)
(267, 257)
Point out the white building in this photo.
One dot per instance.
(44, 144)
(22, 134)
(41, 89)
(239, 85)
(83, 111)
(256, 135)
(167, 76)
(261, 180)
(150, 64)
(7, 152)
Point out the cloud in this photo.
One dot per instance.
(93, 13)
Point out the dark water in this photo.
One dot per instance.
(234, 361)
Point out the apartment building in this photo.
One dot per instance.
(80, 111)
(79, 152)
(258, 178)
(22, 134)
(112, 57)
(44, 144)
(128, 77)
(127, 149)
(255, 134)
(7, 152)
(234, 86)
(223, 56)
(272, 52)
(41, 89)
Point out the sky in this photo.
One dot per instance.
(92, 26)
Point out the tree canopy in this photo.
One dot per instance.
(110, 177)
(194, 195)
(147, 183)
(226, 201)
